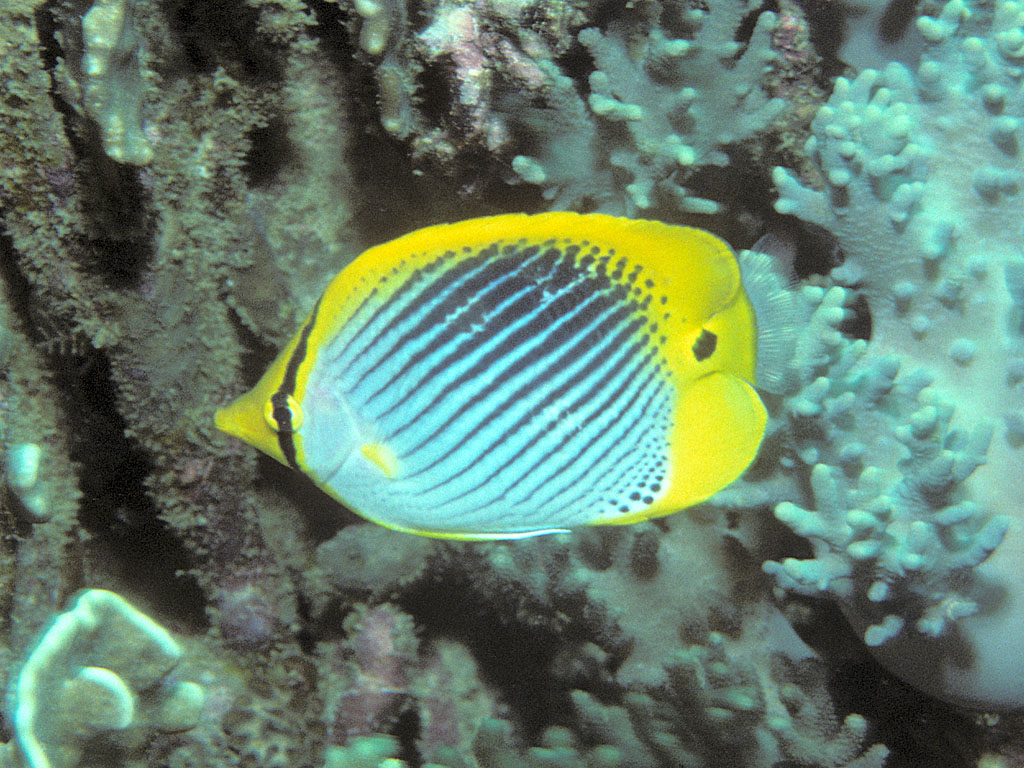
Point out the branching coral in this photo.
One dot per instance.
(682, 100)
(671, 89)
(917, 529)
(732, 698)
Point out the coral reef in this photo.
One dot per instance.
(181, 178)
(917, 529)
(668, 669)
(102, 669)
(381, 648)
(653, 116)
(681, 107)
(39, 531)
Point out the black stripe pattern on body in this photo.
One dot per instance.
(520, 385)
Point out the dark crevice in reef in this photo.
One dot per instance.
(305, 636)
(121, 261)
(748, 23)
(332, 33)
(270, 150)
(407, 730)
(206, 41)
(436, 86)
(859, 325)
(826, 24)
(815, 251)
(51, 52)
(897, 20)
(919, 730)
(578, 64)
(514, 658)
(256, 353)
(113, 199)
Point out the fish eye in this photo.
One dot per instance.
(705, 345)
(282, 413)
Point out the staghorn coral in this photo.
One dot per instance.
(682, 100)
(670, 92)
(635, 594)
(734, 695)
(719, 707)
(916, 529)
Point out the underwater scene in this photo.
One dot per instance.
(512, 383)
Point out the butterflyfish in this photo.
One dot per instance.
(517, 375)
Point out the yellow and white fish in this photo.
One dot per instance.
(516, 375)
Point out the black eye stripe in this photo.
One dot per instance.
(281, 413)
(280, 398)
